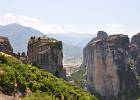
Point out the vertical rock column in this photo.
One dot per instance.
(106, 61)
(135, 51)
(47, 54)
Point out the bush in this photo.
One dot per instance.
(3, 59)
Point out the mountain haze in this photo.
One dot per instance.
(18, 35)
(75, 39)
(1, 26)
(72, 54)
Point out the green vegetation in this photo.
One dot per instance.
(34, 83)
(78, 77)
(38, 40)
(131, 64)
(133, 93)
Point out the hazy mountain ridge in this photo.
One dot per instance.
(72, 54)
(1, 26)
(75, 39)
(18, 35)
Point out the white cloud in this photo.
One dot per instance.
(28, 21)
(21, 19)
(34, 23)
(54, 28)
(50, 28)
(115, 25)
(114, 29)
(70, 26)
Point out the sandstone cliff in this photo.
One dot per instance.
(47, 54)
(106, 62)
(5, 45)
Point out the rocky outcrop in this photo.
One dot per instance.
(5, 45)
(47, 54)
(106, 61)
(135, 51)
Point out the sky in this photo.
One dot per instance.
(81, 16)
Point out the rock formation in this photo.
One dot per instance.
(47, 54)
(135, 51)
(5, 45)
(106, 61)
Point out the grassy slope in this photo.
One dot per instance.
(42, 84)
(78, 78)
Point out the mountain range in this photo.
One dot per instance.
(73, 43)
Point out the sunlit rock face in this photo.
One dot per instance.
(5, 45)
(47, 54)
(106, 62)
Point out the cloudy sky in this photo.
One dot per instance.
(84, 16)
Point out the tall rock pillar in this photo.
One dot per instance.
(47, 54)
(106, 61)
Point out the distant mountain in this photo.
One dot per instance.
(71, 50)
(18, 35)
(1, 26)
(72, 54)
(75, 39)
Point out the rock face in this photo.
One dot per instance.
(5, 45)
(135, 51)
(47, 54)
(106, 62)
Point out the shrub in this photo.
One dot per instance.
(35, 79)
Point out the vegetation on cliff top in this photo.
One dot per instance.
(38, 40)
(33, 83)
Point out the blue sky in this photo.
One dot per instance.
(84, 16)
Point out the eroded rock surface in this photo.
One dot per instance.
(47, 54)
(5, 45)
(135, 51)
(106, 62)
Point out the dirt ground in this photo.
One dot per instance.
(6, 97)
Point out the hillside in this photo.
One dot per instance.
(33, 83)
